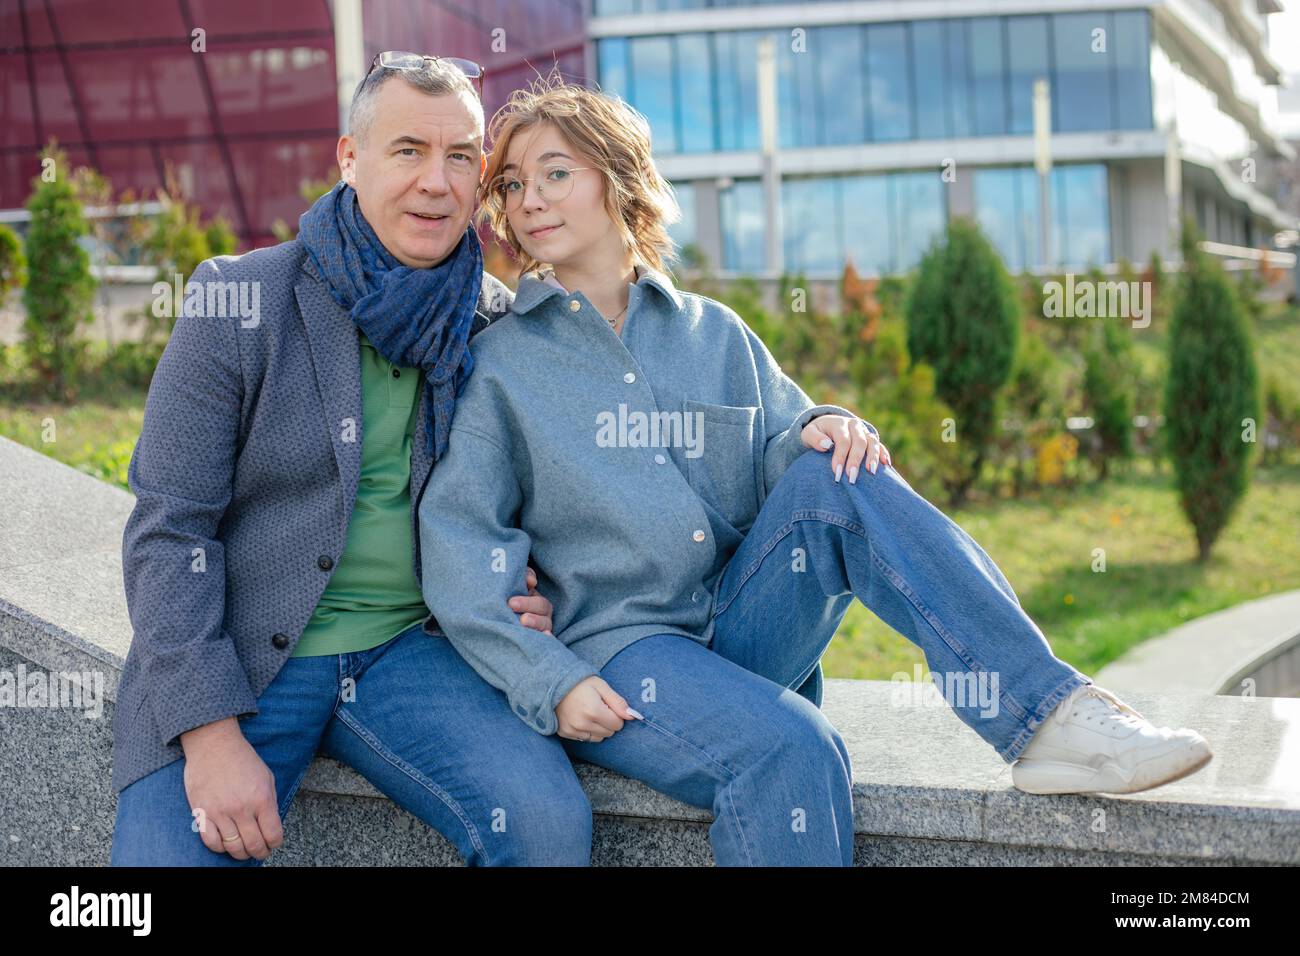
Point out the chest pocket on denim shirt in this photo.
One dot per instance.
(725, 471)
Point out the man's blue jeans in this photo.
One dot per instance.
(723, 728)
(423, 727)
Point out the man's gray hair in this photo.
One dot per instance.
(437, 79)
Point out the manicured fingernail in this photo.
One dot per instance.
(853, 475)
(874, 466)
(838, 468)
(635, 714)
(826, 443)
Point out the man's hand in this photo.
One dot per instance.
(852, 439)
(592, 711)
(234, 789)
(534, 610)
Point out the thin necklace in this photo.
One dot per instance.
(614, 320)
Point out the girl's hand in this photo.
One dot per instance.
(592, 711)
(853, 440)
(534, 610)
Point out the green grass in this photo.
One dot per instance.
(95, 436)
(1152, 581)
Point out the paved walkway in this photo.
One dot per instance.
(1212, 654)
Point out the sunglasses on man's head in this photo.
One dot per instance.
(401, 60)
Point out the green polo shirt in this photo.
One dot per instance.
(373, 594)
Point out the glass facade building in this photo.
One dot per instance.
(888, 127)
(886, 82)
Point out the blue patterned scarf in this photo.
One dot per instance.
(416, 318)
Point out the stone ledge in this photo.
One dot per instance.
(927, 789)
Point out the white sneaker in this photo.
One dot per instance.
(1093, 742)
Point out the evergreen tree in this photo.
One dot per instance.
(963, 322)
(1211, 395)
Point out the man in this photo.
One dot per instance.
(271, 561)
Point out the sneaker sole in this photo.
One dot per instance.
(1051, 777)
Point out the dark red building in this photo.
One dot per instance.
(239, 101)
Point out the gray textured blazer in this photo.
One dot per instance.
(245, 474)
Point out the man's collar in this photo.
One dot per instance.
(532, 291)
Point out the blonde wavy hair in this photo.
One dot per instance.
(615, 137)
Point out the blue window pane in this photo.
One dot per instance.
(652, 87)
(890, 103)
(1132, 69)
(683, 232)
(1006, 207)
(737, 59)
(1082, 88)
(798, 105)
(1027, 49)
(918, 213)
(695, 92)
(1081, 209)
(612, 57)
(810, 222)
(868, 239)
(741, 211)
(840, 99)
(929, 69)
(988, 76)
(961, 112)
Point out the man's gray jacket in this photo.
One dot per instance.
(245, 474)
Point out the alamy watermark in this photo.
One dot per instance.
(72, 690)
(651, 430)
(1091, 299)
(209, 300)
(952, 688)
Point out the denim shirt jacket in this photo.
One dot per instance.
(626, 468)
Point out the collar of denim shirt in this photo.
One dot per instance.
(534, 290)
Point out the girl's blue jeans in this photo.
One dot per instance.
(734, 728)
(723, 727)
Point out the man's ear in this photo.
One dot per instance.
(347, 157)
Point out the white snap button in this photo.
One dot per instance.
(699, 534)
(629, 378)
(660, 459)
(574, 305)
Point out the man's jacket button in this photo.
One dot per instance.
(324, 562)
(281, 641)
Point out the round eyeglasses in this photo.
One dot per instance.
(402, 60)
(555, 184)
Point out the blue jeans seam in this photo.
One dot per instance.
(377, 746)
(854, 527)
(732, 775)
(1045, 707)
(767, 549)
(293, 789)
